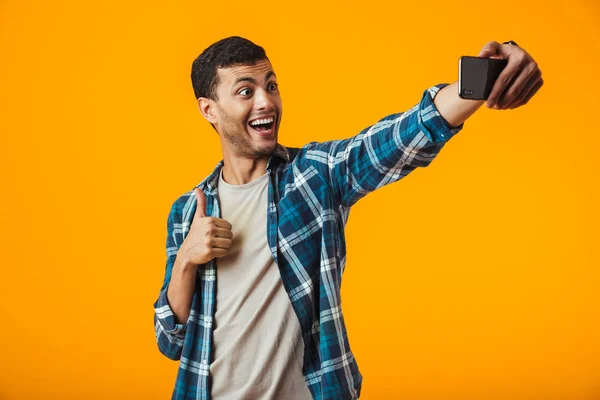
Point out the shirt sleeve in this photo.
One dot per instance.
(169, 334)
(385, 152)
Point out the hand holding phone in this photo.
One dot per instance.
(477, 75)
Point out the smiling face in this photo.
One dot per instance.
(246, 93)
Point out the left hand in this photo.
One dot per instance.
(518, 81)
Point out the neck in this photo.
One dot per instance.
(242, 170)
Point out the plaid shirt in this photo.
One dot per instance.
(311, 190)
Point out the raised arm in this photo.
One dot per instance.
(384, 152)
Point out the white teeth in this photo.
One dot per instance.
(261, 121)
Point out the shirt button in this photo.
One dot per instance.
(204, 361)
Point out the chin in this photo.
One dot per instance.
(268, 149)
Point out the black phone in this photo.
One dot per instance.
(477, 75)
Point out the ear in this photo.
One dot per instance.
(206, 107)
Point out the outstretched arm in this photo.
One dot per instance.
(385, 152)
(397, 144)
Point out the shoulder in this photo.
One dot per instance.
(318, 155)
(183, 205)
(304, 153)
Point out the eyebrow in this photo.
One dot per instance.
(250, 79)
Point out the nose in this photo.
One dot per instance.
(262, 100)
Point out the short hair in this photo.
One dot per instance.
(234, 50)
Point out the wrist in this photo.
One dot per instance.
(183, 264)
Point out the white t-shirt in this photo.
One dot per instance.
(258, 348)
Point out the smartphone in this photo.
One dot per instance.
(477, 75)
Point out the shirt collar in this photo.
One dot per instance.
(209, 184)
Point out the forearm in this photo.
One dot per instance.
(452, 108)
(181, 289)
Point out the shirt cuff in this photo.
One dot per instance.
(165, 315)
(436, 128)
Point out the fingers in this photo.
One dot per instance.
(220, 243)
(201, 210)
(218, 252)
(506, 76)
(218, 228)
(512, 93)
(221, 223)
(533, 80)
(532, 92)
(201, 202)
(222, 232)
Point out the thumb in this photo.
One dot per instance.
(201, 203)
(490, 49)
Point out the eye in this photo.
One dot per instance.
(240, 92)
(274, 85)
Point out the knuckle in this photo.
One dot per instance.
(519, 62)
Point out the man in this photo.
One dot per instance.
(265, 321)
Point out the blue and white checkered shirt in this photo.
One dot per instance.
(311, 190)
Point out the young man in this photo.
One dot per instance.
(250, 303)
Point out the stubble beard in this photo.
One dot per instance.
(240, 141)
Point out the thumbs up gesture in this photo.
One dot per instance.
(209, 237)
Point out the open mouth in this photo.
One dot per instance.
(263, 129)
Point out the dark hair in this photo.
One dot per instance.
(227, 52)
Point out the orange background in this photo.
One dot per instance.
(475, 278)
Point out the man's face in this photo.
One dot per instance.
(246, 94)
